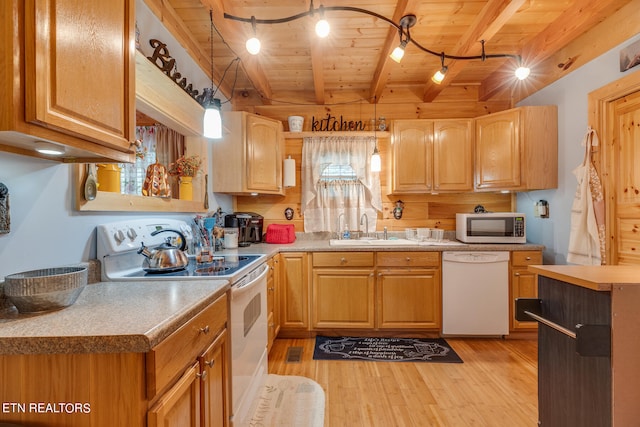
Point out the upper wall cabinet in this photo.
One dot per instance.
(517, 149)
(432, 156)
(248, 159)
(67, 77)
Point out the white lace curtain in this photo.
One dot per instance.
(324, 201)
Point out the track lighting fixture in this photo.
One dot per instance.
(406, 22)
(322, 26)
(438, 76)
(212, 120)
(253, 44)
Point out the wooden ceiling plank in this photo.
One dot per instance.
(493, 16)
(571, 24)
(233, 34)
(317, 67)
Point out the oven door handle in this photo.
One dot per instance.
(241, 288)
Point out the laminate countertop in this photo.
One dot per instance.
(110, 317)
(595, 277)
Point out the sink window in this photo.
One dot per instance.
(337, 183)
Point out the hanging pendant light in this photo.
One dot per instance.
(212, 120)
(376, 161)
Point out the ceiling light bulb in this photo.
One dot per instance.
(322, 28)
(522, 72)
(212, 122)
(438, 77)
(398, 52)
(48, 148)
(376, 162)
(253, 46)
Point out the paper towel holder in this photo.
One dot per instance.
(289, 172)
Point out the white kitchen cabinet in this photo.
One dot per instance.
(517, 149)
(249, 158)
(67, 80)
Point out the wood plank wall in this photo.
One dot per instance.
(420, 210)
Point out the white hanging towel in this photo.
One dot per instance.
(586, 238)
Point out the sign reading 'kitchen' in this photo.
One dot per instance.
(332, 123)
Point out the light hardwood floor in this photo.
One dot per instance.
(495, 386)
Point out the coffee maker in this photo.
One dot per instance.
(249, 225)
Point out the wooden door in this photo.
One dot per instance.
(180, 406)
(408, 298)
(498, 151)
(294, 293)
(453, 155)
(215, 383)
(342, 298)
(412, 156)
(264, 155)
(624, 173)
(80, 75)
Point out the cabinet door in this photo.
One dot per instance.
(524, 284)
(412, 156)
(180, 406)
(273, 316)
(453, 155)
(294, 294)
(409, 298)
(498, 151)
(342, 298)
(80, 75)
(215, 383)
(264, 155)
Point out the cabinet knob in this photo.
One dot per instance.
(528, 258)
(343, 260)
(271, 289)
(408, 259)
(516, 274)
(210, 363)
(202, 375)
(204, 330)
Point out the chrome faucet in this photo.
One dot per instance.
(338, 229)
(366, 228)
(385, 233)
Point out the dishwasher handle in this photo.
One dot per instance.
(475, 257)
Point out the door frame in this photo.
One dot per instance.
(600, 120)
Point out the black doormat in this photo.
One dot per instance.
(385, 349)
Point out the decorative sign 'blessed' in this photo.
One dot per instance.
(167, 64)
(332, 123)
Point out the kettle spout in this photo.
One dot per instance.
(144, 251)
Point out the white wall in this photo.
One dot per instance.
(46, 230)
(570, 94)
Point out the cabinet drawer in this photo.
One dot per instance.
(167, 360)
(524, 258)
(343, 259)
(408, 259)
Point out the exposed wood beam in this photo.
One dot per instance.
(233, 33)
(574, 22)
(490, 20)
(317, 67)
(381, 73)
(170, 19)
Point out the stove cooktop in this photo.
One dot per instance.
(220, 266)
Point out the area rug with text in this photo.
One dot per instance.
(385, 349)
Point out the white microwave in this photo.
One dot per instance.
(495, 227)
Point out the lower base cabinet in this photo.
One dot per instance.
(182, 382)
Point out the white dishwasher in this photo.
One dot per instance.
(475, 293)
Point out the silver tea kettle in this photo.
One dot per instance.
(166, 257)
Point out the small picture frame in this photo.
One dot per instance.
(630, 56)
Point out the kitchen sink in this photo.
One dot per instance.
(373, 242)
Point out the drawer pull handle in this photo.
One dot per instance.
(210, 363)
(528, 258)
(202, 375)
(204, 330)
(408, 259)
(343, 260)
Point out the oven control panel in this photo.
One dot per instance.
(129, 235)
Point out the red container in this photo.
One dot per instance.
(280, 233)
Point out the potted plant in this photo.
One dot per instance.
(185, 168)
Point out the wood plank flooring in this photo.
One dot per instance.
(495, 386)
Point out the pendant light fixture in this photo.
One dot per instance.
(376, 161)
(438, 76)
(212, 120)
(405, 23)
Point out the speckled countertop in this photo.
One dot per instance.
(109, 317)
